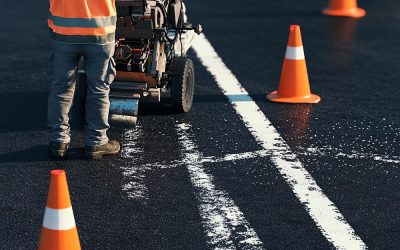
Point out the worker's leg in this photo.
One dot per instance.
(63, 63)
(100, 72)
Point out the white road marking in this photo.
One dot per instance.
(325, 214)
(325, 151)
(334, 152)
(130, 137)
(135, 187)
(236, 157)
(225, 224)
(211, 159)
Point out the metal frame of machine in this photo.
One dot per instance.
(152, 39)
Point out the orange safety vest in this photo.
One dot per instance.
(82, 21)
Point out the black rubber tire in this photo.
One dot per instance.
(182, 85)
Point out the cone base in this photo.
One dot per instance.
(357, 12)
(59, 239)
(275, 97)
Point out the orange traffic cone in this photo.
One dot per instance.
(59, 230)
(294, 86)
(344, 8)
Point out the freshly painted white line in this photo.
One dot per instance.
(135, 175)
(295, 53)
(210, 159)
(336, 153)
(130, 138)
(225, 224)
(59, 219)
(236, 157)
(325, 214)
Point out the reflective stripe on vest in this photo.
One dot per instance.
(96, 22)
(82, 21)
(81, 31)
(109, 38)
(69, 33)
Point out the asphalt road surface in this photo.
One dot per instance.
(237, 171)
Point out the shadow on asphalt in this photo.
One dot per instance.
(23, 111)
(269, 14)
(149, 109)
(28, 112)
(39, 154)
(222, 98)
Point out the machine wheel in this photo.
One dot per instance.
(182, 85)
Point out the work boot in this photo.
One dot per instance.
(97, 152)
(58, 149)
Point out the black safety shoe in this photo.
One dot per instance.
(97, 152)
(58, 149)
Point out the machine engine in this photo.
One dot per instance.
(146, 35)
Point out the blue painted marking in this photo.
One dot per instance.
(239, 98)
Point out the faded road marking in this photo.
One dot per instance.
(210, 159)
(325, 214)
(335, 152)
(134, 175)
(225, 225)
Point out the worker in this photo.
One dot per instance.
(81, 28)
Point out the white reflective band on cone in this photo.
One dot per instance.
(295, 53)
(59, 219)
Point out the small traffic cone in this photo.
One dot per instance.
(344, 8)
(294, 86)
(59, 230)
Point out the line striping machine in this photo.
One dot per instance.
(152, 40)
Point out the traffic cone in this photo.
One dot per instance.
(344, 8)
(59, 230)
(294, 86)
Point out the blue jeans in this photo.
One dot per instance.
(100, 72)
